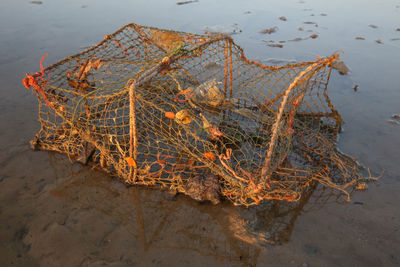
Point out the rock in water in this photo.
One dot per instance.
(204, 187)
(86, 153)
(208, 94)
(166, 39)
(340, 67)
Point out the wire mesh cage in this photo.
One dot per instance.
(192, 114)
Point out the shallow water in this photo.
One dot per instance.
(55, 213)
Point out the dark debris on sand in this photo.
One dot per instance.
(269, 30)
(274, 44)
(187, 2)
(297, 39)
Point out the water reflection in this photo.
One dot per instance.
(160, 221)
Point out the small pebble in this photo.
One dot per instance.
(358, 203)
(283, 18)
(324, 15)
(314, 36)
(360, 38)
(379, 41)
(300, 29)
(355, 88)
(373, 26)
(398, 29)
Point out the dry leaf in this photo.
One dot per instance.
(82, 86)
(85, 68)
(215, 132)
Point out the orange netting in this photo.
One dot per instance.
(192, 114)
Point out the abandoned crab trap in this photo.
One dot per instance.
(191, 113)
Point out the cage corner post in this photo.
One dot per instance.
(334, 112)
(266, 170)
(132, 132)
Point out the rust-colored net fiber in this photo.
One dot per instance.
(159, 108)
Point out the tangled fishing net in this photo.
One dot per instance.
(192, 114)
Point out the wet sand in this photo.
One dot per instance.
(57, 213)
